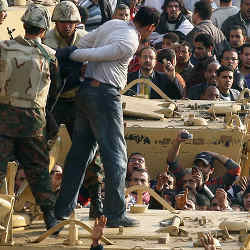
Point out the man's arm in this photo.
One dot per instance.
(106, 53)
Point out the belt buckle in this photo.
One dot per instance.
(95, 83)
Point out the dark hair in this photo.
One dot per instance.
(204, 9)
(239, 27)
(147, 16)
(205, 39)
(173, 37)
(245, 45)
(181, 6)
(224, 68)
(32, 30)
(226, 1)
(83, 13)
(168, 54)
(135, 153)
(186, 44)
(227, 50)
(122, 6)
(207, 65)
(139, 54)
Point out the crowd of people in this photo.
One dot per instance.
(73, 74)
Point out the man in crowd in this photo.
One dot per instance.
(225, 10)
(183, 54)
(173, 18)
(205, 163)
(198, 90)
(245, 62)
(237, 37)
(24, 90)
(211, 93)
(135, 160)
(230, 58)
(122, 12)
(242, 18)
(203, 52)
(201, 18)
(225, 77)
(3, 10)
(168, 84)
(108, 51)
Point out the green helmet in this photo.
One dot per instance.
(37, 16)
(66, 11)
(3, 5)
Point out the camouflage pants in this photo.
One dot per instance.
(32, 154)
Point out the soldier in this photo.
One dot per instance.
(66, 17)
(3, 10)
(24, 85)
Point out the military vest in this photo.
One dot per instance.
(24, 73)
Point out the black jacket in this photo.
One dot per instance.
(171, 88)
(239, 81)
(233, 20)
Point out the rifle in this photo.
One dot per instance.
(10, 31)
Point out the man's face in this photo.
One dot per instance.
(147, 60)
(66, 29)
(210, 74)
(139, 178)
(3, 15)
(56, 176)
(200, 51)
(225, 81)
(189, 182)
(135, 161)
(123, 14)
(245, 9)
(211, 93)
(167, 44)
(182, 54)
(173, 10)
(206, 170)
(230, 58)
(246, 202)
(215, 205)
(245, 58)
(236, 38)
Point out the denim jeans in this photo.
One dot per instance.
(99, 120)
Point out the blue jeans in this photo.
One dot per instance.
(99, 119)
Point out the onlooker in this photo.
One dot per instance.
(242, 18)
(220, 202)
(183, 65)
(201, 19)
(169, 40)
(195, 92)
(84, 17)
(168, 84)
(135, 160)
(20, 178)
(205, 163)
(56, 178)
(122, 12)
(245, 62)
(230, 58)
(211, 93)
(225, 10)
(225, 76)
(173, 18)
(237, 36)
(3, 10)
(189, 4)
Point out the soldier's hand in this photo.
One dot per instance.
(98, 229)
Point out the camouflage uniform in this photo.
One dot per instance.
(24, 86)
(64, 110)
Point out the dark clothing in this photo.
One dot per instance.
(231, 21)
(239, 81)
(206, 26)
(233, 95)
(196, 75)
(186, 71)
(171, 88)
(233, 171)
(21, 139)
(195, 92)
(99, 247)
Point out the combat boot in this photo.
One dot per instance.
(96, 206)
(50, 220)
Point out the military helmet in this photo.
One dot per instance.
(66, 11)
(37, 16)
(3, 5)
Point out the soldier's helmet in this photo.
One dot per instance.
(3, 5)
(37, 16)
(66, 11)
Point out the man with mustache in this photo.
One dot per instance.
(225, 76)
